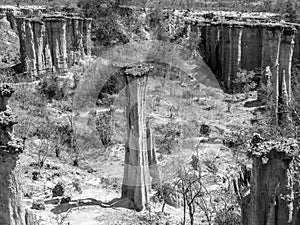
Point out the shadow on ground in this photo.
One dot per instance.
(115, 203)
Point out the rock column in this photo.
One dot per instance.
(22, 39)
(152, 158)
(236, 49)
(10, 194)
(226, 55)
(87, 38)
(251, 47)
(272, 185)
(286, 55)
(63, 67)
(69, 39)
(56, 37)
(270, 58)
(297, 44)
(136, 181)
(39, 34)
(30, 49)
(212, 45)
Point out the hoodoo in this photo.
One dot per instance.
(10, 193)
(273, 198)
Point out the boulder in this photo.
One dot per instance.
(58, 190)
(38, 205)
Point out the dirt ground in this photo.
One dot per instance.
(99, 175)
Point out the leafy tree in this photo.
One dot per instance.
(104, 127)
(169, 137)
(105, 20)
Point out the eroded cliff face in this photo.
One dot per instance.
(49, 43)
(53, 43)
(244, 41)
(10, 194)
(229, 43)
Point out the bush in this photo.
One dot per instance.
(49, 87)
(104, 127)
(168, 138)
(244, 82)
(227, 217)
(105, 24)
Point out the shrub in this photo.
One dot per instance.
(104, 127)
(244, 82)
(227, 217)
(168, 138)
(105, 24)
(49, 87)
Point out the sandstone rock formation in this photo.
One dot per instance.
(9, 43)
(53, 43)
(273, 199)
(131, 62)
(49, 43)
(136, 180)
(233, 41)
(10, 194)
(241, 42)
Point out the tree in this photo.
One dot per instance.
(18, 2)
(105, 20)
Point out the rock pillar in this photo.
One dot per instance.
(152, 158)
(78, 44)
(48, 59)
(30, 49)
(56, 32)
(226, 54)
(212, 40)
(251, 47)
(70, 40)
(286, 55)
(284, 118)
(22, 39)
(297, 44)
(270, 58)
(272, 183)
(12, 20)
(39, 34)
(236, 49)
(136, 181)
(87, 38)
(10, 194)
(63, 67)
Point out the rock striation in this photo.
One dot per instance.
(234, 41)
(10, 194)
(230, 43)
(52, 43)
(49, 42)
(136, 180)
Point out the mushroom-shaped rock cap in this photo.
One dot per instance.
(289, 147)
